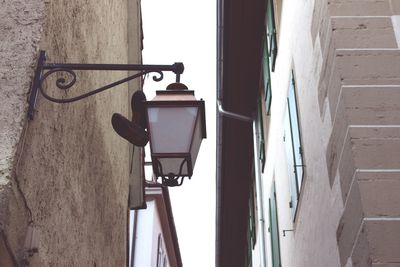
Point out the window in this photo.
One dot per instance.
(253, 215)
(252, 225)
(161, 254)
(271, 33)
(270, 50)
(249, 259)
(294, 152)
(260, 141)
(274, 229)
(267, 77)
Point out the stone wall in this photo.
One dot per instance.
(313, 239)
(345, 56)
(65, 174)
(362, 155)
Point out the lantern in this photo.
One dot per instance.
(176, 126)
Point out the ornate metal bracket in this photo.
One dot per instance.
(45, 70)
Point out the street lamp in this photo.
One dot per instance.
(176, 126)
(174, 119)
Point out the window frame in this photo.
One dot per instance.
(161, 253)
(270, 30)
(296, 157)
(249, 258)
(252, 227)
(266, 77)
(261, 140)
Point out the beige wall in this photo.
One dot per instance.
(20, 30)
(348, 78)
(69, 180)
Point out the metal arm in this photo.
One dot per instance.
(44, 70)
(232, 115)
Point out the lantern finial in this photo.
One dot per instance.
(177, 86)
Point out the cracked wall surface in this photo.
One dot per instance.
(20, 30)
(21, 25)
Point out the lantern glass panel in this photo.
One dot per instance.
(172, 165)
(171, 128)
(197, 138)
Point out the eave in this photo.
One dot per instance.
(240, 30)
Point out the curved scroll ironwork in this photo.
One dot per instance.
(157, 79)
(63, 84)
(171, 179)
(45, 70)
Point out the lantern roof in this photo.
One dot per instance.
(174, 95)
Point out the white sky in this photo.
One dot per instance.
(185, 31)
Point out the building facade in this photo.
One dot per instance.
(66, 175)
(153, 238)
(323, 188)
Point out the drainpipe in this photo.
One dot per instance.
(219, 114)
(218, 208)
(257, 168)
(232, 115)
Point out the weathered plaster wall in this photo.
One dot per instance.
(20, 30)
(21, 23)
(69, 180)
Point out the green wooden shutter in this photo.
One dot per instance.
(261, 142)
(249, 260)
(274, 229)
(266, 69)
(267, 77)
(253, 216)
(252, 224)
(268, 100)
(271, 33)
(250, 233)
